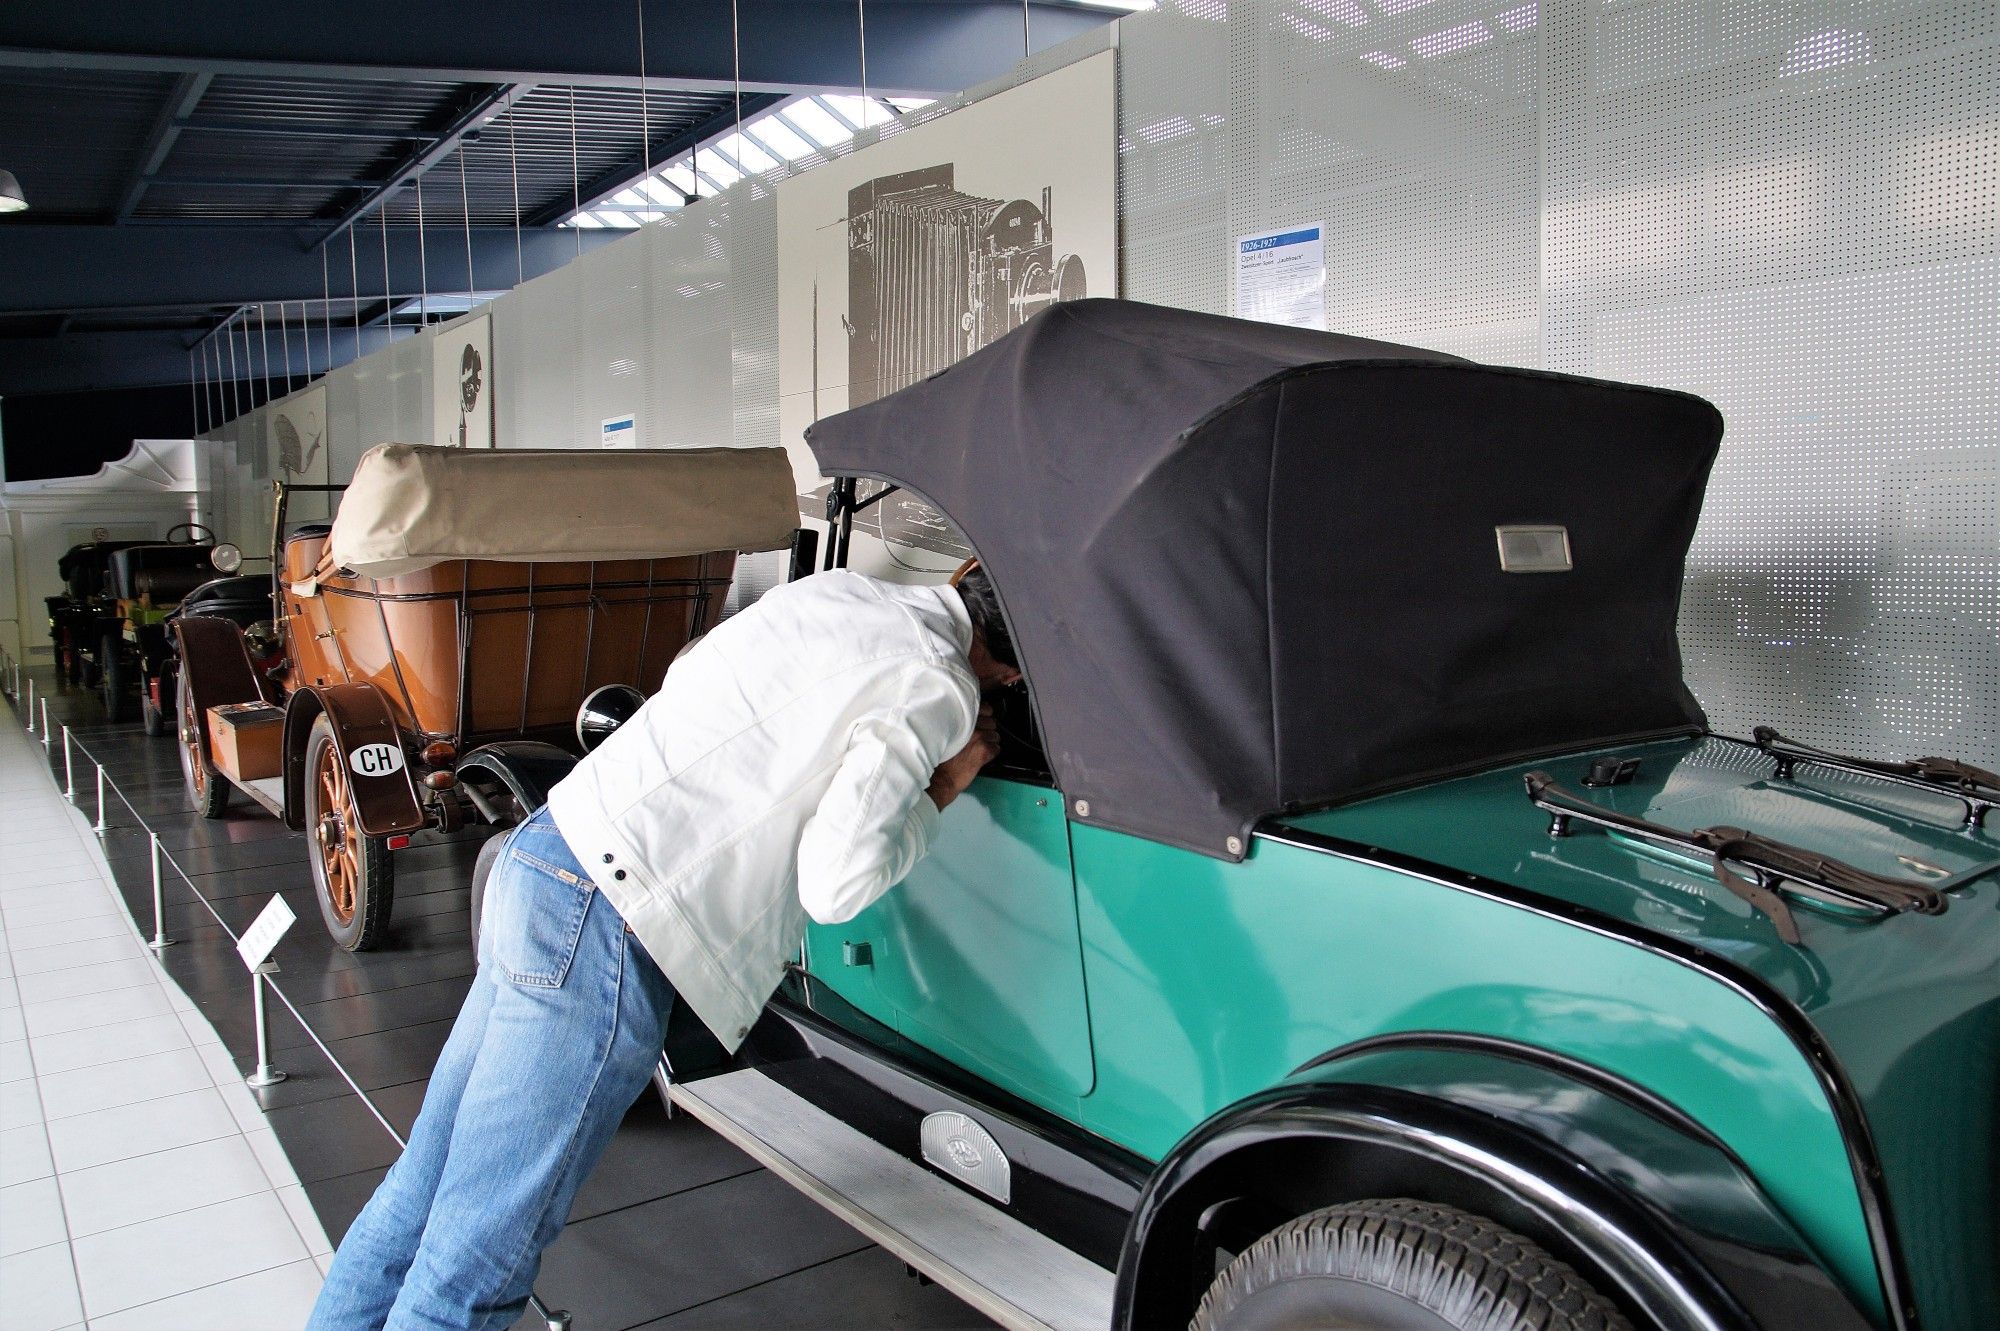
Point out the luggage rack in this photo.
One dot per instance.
(1823, 881)
(1975, 788)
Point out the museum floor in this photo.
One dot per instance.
(676, 1228)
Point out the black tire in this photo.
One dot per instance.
(114, 687)
(482, 869)
(207, 789)
(358, 892)
(1399, 1265)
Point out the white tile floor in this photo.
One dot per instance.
(139, 1189)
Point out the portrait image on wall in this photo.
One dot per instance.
(462, 383)
(897, 261)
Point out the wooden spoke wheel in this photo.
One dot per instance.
(207, 789)
(351, 870)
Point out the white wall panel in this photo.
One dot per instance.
(1792, 208)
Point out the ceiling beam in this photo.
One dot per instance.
(297, 129)
(51, 269)
(664, 150)
(920, 47)
(258, 182)
(160, 139)
(484, 108)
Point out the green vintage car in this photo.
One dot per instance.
(1361, 927)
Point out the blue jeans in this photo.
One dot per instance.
(558, 1036)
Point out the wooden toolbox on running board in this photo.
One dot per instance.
(247, 739)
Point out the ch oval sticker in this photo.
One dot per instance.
(375, 760)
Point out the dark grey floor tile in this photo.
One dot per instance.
(646, 1261)
(338, 1200)
(864, 1291)
(655, 1156)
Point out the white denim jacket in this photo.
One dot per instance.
(782, 765)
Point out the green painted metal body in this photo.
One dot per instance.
(1135, 989)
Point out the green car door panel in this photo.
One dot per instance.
(1209, 982)
(976, 955)
(1622, 1187)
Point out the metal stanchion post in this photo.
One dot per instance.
(48, 740)
(265, 1075)
(101, 827)
(69, 767)
(160, 939)
(31, 704)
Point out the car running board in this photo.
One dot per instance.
(1018, 1277)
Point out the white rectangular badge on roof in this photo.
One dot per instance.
(264, 932)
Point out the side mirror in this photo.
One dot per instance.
(226, 558)
(605, 710)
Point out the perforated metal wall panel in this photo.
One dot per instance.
(1789, 208)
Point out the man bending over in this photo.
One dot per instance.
(796, 757)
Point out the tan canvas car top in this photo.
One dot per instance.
(411, 506)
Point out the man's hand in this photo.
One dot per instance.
(950, 780)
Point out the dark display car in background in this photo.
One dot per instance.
(109, 630)
(1362, 926)
(75, 612)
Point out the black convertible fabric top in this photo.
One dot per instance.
(1252, 569)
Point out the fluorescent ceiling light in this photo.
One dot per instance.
(743, 149)
(711, 165)
(782, 139)
(863, 111)
(817, 123)
(661, 193)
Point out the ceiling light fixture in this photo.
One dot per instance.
(12, 200)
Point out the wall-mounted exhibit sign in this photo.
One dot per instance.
(619, 431)
(462, 384)
(1281, 277)
(896, 261)
(298, 428)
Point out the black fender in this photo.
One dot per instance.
(528, 768)
(1650, 1207)
(217, 666)
(385, 804)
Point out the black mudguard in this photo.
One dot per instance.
(1650, 1207)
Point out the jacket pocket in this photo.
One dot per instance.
(540, 914)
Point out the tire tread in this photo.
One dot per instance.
(1466, 1269)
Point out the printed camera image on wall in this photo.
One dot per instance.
(934, 273)
(918, 249)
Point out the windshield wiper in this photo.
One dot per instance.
(1974, 787)
(1769, 863)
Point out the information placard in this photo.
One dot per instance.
(1281, 277)
(264, 932)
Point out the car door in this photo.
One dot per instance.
(976, 955)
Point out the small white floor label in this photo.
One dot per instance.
(264, 932)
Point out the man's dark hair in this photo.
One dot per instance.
(983, 605)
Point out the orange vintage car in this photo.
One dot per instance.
(441, 634)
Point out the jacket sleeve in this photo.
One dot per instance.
(875, 821)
